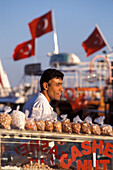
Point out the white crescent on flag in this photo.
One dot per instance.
(43, 24)
(98, 40)
(28, 52)
(29, 49)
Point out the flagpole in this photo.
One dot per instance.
(35, 59)
(110, 49)
(56, 50)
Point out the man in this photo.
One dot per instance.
(51, 88)
(39, 106)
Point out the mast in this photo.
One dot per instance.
(5, 87)
(110, 49)
(56, 49)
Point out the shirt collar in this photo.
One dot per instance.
(44, 98)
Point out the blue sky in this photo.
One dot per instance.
(75, 21)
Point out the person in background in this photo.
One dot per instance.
(51, 88)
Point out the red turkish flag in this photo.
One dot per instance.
(24, 50)
(94, 42)
(41, 25)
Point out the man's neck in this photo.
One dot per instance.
(44, 92)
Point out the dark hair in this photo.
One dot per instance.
(50, 74)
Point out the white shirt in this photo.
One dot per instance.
(42, 109)
(39, 108)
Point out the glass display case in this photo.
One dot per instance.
(23, 149)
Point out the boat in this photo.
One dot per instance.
(18, 95)
(83, 86)
(83, 90)
(5, 87)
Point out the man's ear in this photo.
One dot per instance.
(45, 86)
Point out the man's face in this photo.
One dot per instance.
(55, 88)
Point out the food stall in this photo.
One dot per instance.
(65, 149)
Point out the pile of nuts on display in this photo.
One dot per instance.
(17, 120)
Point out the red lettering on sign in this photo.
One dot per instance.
(44, 146)
(90, 164)
(97, 146)
(85, 145)
(97, 165)
(81, 166)
(108, 149)
(24, 149)
(54, 150)
(42, 160)
(62, 163)
(34, 145)
(104, 162)
(75, 153)
(17, 151)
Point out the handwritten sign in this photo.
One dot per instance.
(86, 149)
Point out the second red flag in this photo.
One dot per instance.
(24, 50)
(94, 42)
(41, 25)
